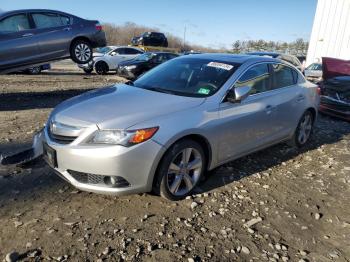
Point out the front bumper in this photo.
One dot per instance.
(332, 107)
(121, 71)
(136, 165)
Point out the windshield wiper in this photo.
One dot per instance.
(161, 90)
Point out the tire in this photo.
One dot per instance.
(34, 70)
(88, 71)
(303, 131)
(176, 180)
(101, 68)
(81, 51)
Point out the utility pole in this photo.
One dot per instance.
(184, 37)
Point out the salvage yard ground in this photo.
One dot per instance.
(279, 204)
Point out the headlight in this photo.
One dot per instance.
(130, 67)
(122, 137)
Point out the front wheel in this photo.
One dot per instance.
(34, 70)
(101, 68)
(304, 130)
(81, 51)
(180, 170)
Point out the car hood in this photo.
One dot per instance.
(119, 107)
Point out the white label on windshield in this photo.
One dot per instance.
(221, 65)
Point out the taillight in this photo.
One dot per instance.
(98, 26)
(319, 90)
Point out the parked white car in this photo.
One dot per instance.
(111, 60)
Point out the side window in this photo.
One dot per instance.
(131, 51)
(120, 51)
(257, 77)
(15, 23)
(65, 20)
(283, 76)
(47, 20)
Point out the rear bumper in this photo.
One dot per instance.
(98, 39)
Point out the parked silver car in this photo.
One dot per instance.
(177, 121)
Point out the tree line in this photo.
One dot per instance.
(297, 47)
(122, 35)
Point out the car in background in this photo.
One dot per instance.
(313, 72)
(185, 117)
(285, 57)
(101, 51)
(110, 61)
(335, 88)
(37, 69)
(132, 69)
(150, 39)
(35, 36)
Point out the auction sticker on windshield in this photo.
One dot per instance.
(221, 65)
(203, 91)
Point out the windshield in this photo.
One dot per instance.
(314, 67)
(103, 50)
(144, 57)
(195, 77)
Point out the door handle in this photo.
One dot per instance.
(67, 29)
(27, 35)
(300, 98)
(269, 109)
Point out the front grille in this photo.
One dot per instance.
(62, 139)
(92, 179)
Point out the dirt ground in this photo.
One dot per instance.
(280, 204)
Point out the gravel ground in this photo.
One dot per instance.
(279, 204)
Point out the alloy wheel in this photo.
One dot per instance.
(184, 171)
(305, 128)
(82, 52)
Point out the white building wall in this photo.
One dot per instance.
(330, 34)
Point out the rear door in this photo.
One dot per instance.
(55, 33)
(18, 41)
(287, 99)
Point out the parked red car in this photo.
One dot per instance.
(335, 88)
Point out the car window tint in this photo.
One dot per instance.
(65, 20)
(257, 77)
(283, 76)
(131, 51)
(14, 23)
(120, 51)
(46, 20)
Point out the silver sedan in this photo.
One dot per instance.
(183, 118)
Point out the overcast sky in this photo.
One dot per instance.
(210, 23)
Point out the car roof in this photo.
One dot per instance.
(232, 58)
(31, 11)
(273, 54)
(159, 52)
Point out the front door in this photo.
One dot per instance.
(247, 125)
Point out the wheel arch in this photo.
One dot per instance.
(199, 138)
(78, 38)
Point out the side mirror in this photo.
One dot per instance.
(237, 94)
(114, 53)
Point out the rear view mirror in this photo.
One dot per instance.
(237, 94)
